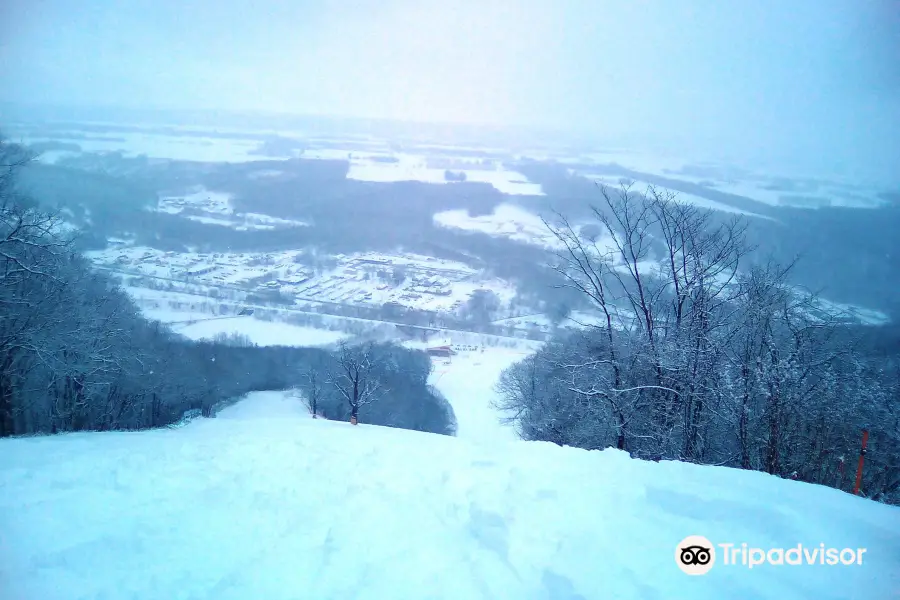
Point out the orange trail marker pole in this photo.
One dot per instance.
(862, 456)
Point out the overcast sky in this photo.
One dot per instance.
(769, 77)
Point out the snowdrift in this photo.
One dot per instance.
(266, 503)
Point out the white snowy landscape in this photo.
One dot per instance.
(507, 220)
(264, 502)
(380, 161)
(261, 333)
(446, 300)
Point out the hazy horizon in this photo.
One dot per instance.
(811, 84)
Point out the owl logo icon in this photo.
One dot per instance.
(695, 555)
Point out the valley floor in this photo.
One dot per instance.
(264, 502)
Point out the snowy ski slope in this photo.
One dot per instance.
(467, 381)
(266, 503)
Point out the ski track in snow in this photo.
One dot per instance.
(467, 382)
(266, 503)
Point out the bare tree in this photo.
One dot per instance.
(354, 377)
(661, 276)
(313, 385)
(699, 354)
(74, 352)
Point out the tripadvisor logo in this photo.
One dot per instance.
(696, 555)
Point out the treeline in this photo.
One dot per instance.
(380, 384)
(715, 361)
(75, 353)
(391, 381)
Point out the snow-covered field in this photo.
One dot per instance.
(409, 167)
(215, 208)
(260, 332)
(576, 320)
(377, 159)
(766, 186)
(638, 186)
(518, 224)
(168, 315)
(802, 193)
(377, 163)
(849, 312)
(264, 502)
(507, 221)
(655, 161)
(178, 307)
(155, 145)
(203, 318)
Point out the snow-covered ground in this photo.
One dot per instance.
(818, 194)
(260, 332)
(366, 165)
(178, 307)
(169, 315)
(158, 145)
(215, 208)
(203, 318)
(648, 161)
(467, 381)
(377, 159)
(773, 183)
(368, 278)
(507, 221)
(576, 320)
(215, 268)
(409, 167)
(639, 186)
(199, 198)
(850, 312)
(264, 502)
(763, 185)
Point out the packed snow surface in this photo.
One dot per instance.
(467, 381)
(264, 502)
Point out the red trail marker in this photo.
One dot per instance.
(862, 456)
